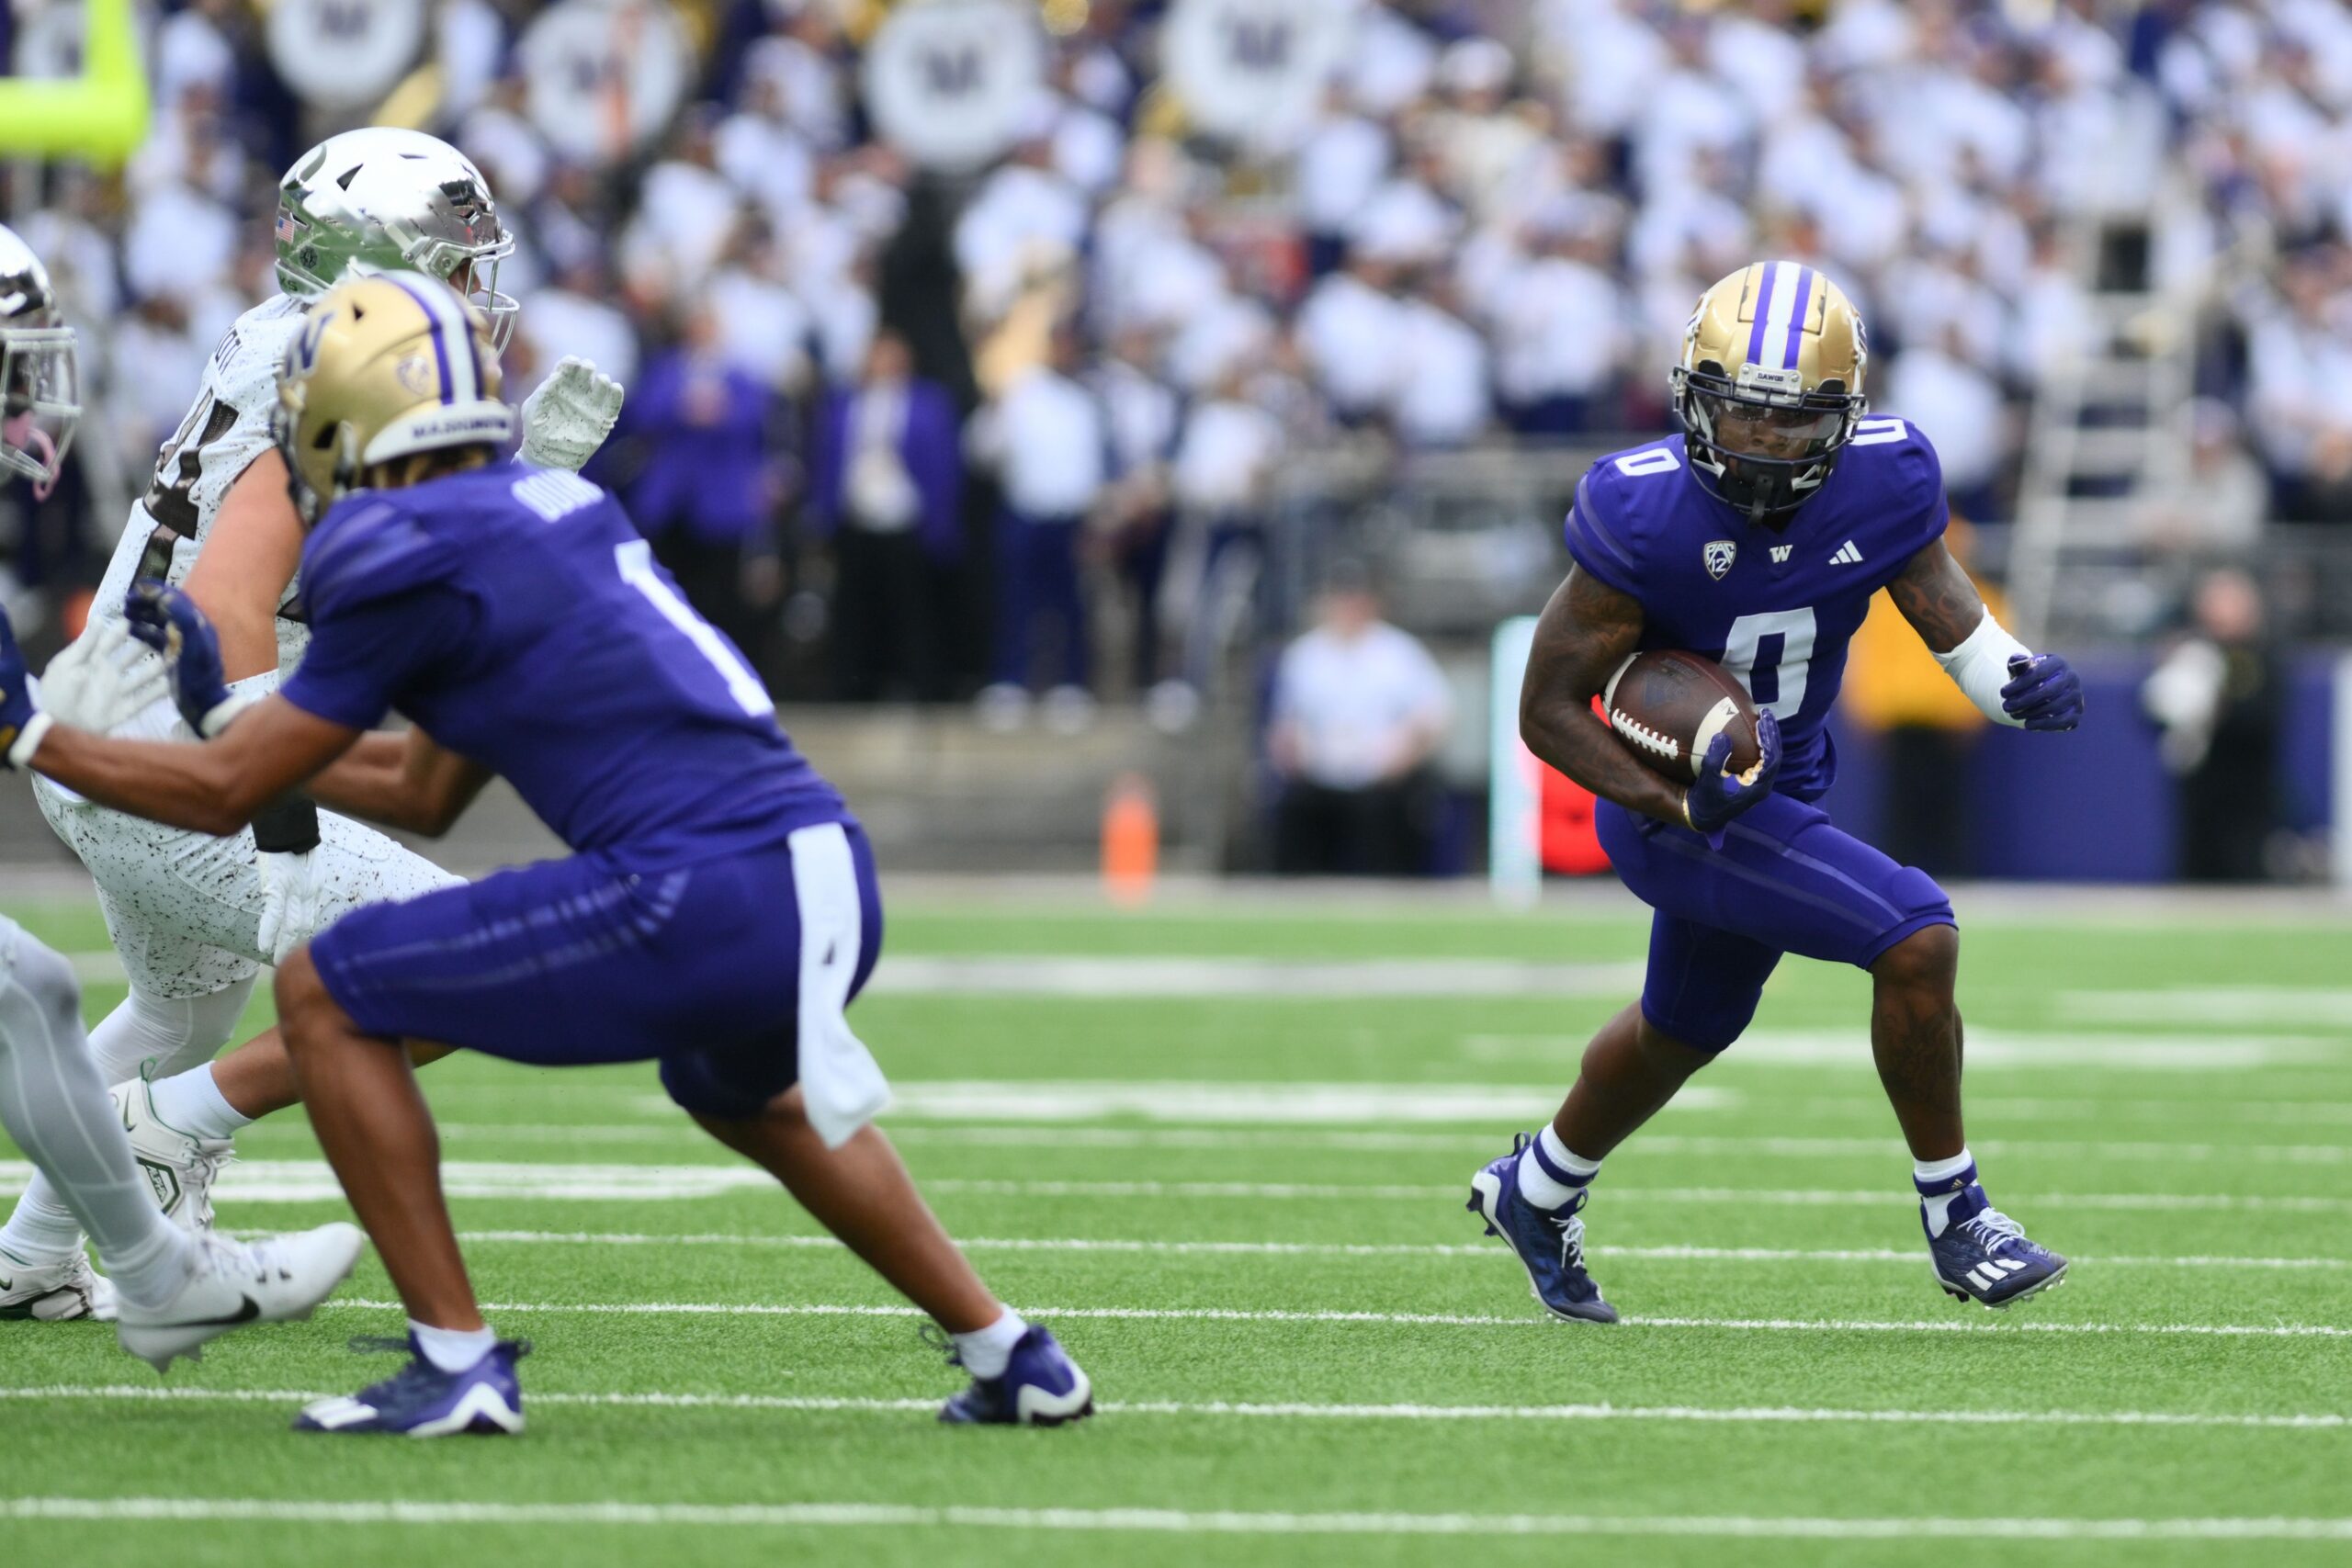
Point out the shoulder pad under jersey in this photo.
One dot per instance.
(368, 548)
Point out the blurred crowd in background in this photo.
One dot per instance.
(967, 341)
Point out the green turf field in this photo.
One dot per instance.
(1240, 1201)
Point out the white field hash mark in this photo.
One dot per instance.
(1157, 1521)
(1439, 1319)
(1281, 1411)
(1907, 1256)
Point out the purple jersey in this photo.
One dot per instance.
(1776, 609)
(517, 616)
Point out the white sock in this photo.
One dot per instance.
(191, 1102)
(452, 1349)
(150, 1272)
(1541, 1187)
(986, 1351)
(1930, 1173)
(42, 1230)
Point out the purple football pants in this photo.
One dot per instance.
(1787, 880)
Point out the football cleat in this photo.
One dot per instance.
(1041, 1387)
(178, 1167)
(1549, 1244)
(237, 1283)
(54, 1293)
(423, 1400)
(1984, 1256)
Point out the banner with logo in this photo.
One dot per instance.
(345, 54)
(1252, 71)
(603, 78)
(951, 83)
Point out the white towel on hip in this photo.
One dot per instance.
(840, 1080)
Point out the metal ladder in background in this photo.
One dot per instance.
(2108, 428)
(2115, 416)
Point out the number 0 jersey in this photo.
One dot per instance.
(1776, 609)
(226, 429)
(517, 616)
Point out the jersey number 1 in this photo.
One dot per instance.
(1769, 653)
(638, 571)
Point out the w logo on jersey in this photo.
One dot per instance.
(1781, 553)
(1718, 555)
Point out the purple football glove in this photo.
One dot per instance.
(1720, 794)
(171, 623)
(2043, 692)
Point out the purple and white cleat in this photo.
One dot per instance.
(423, 1400)
(1041, 1387)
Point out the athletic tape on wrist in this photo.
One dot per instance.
(1980, 668)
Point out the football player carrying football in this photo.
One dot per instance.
(195, 918)
(718, 914)
(174, 1292)
(1757, 538)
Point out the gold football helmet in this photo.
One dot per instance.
(1771, 386)
(384, 367)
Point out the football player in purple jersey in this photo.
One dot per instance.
(718, 913)
(1756, 539)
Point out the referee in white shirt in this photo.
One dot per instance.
(1360, 706)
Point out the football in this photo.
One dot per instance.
(1668, 706)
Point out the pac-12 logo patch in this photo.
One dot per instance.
(1719, 554)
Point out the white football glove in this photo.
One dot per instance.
(292, 898)
(568, 418)
(102, 680)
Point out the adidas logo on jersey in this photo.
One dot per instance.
(1781, 553)
(1847, 555)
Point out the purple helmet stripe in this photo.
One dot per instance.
(1795, 345)
(1763, 303)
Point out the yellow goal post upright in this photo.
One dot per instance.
(100, 116)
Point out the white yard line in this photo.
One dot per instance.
(1153, 1521)
(1283, 1410)
(309, 1182)
(1281, 979)
(1802, 1197)
(1849, 1047)
(1229, 1101)
(2209, 1107)
(2304, 1007)
(1439, 1319)
(685, 1136)
(1907, 1256)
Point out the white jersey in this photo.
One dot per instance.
(223, 433)
(185, 908)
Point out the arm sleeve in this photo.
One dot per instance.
(363, 659)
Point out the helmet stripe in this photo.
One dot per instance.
(1756, 331)
(460, 382)
(1796, 346)
(1772, 314)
